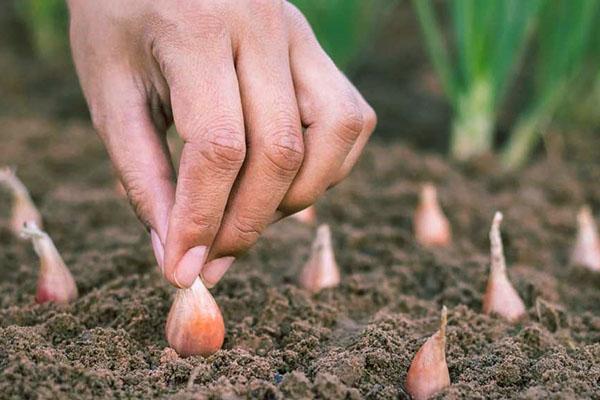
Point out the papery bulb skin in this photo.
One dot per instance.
(55, 282)
(321, 271)
(431, 227)
(307, 216)
(500, 297)
(428, 372)
(195, 324)
(586, 252)
(23, 208)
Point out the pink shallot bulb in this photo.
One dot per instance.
(23, 209)
(500, 296)
(431, 227)
(428, 373)
(321, 271)
(195, 325)
(586, 251)
(55, 282)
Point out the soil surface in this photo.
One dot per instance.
(352, 342)
(355, 341)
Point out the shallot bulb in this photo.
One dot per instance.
(500, 296)
(586, 251)
(307, 216)
(431, 227)
(321, 271)
(428, 372)
(23, 209)
(55, 282)
(195, 325)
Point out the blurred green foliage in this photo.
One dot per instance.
(47, 22)
(563, 40)
(343, 27)
(583, 102)
(477, 65)
(489, 36)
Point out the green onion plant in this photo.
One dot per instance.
(563, 40)
(47, 22)
(343, 27)
(488, 38)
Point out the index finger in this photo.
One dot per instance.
(208, 115)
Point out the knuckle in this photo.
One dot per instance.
(266, 8)
(285, 150)
(349, 122)
(224, 148)
(196, 223)
(208, 26)
(370, 119)
(186, 24)
(247, 230)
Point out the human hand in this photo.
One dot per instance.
(268, 121)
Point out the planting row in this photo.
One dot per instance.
(195, 324)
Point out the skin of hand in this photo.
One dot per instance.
(268, 121)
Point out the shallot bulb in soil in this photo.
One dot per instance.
(500, 296)
(428, 372)
(431, 227)
(307, 216)
(23, 209)
(586, 251)
(321, 271)
(55, 282)
(195, 325)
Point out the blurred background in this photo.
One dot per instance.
(466, 77)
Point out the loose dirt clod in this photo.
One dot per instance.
(55, 282)
(586, 252)
(195, 325)
(430, 225)
(23, 209)
(500, 296)
(428, 372)
(321, 271)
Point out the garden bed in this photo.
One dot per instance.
(355, 341)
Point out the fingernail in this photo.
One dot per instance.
(189, 267)
(159, 250)
(214, 270)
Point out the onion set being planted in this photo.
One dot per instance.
(428, 372)
(501, 298)
(195, 324)
(321, 271)
(586, 252)
(55, 282)
(430, 225)
(23, 209)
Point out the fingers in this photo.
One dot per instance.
(138, 152)
(208, 116)
(369, 125)
(275, 144)
(338, 120)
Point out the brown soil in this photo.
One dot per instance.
(355, 341)
(352, 342)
